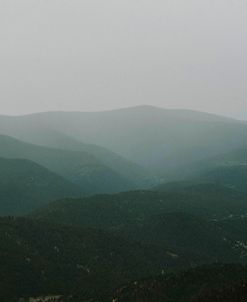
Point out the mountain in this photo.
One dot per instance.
(34, 132)
(80, 168)
(78, 246)
(25, 186)
(226, 169)
(183, 222)
(85, 264)
(213, 283)
(163, 141)
(236, 227)
(119, 210)
(229, 169)
(236, 292)
(42, 259)
(185, 233)
(218, 193)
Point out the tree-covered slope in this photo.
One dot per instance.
(78, 167)
(189, 234)
(44, 259)
(229, 169)
(85, 264)
(112, 211)
(25, 186)
(162, 140)
(36, 132)
(183, 221)
(227, 293)
(214, 283)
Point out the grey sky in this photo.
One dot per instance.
(96, 55)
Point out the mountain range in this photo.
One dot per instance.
(138, 204)
(160, 140)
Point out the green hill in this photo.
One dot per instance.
(184, 222)
(227, 293)
(85, 264)
(113, 211)
(25, 186)
(188, 234)
(33, 131)
(78, 167)
(207, 284)
(228, 169)
(234, 177)
(44, 259)
(164, 141)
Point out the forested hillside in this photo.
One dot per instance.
(79, 167)
(132, 213)
(25, 186)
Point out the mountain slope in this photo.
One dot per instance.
(25, 186)
(43, 259)
(78, 167)
(161, 140)
(184, 222)
(190, 286)
(187, 234)
(122, 209)
(228, 169)
(35, 132)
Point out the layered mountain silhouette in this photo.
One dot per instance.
(117, 210)
(161, 140)
(137, 204)
(25, 186)
(78, 167)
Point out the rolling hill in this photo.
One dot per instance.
(25, 186)
(117, 210)
(41, 134)
(226, 169)
(164, 141)
(85, 264)
(188, 234)
(229, 169)
(45, 259)
(80, 168)
(184, 222)
(214, 283)
(81, 247)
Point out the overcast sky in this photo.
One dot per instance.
(105, 54)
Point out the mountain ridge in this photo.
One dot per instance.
(143, 107)
(79, 167)
(26, 185)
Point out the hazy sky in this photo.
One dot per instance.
(104, 54)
